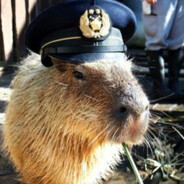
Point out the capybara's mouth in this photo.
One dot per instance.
(131, 132)
(136, 135)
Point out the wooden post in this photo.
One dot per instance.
(1, 40)
(6, 31)
(20, 23)
(31, 9)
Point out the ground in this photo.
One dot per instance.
(7, 174)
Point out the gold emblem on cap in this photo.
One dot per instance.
(95, 23)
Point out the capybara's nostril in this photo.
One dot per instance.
(120, 111)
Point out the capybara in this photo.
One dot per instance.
(65, 124)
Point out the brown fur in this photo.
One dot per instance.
(62, 130)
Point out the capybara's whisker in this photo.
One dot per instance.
(98, 135)
(161, 113)
(115, 134)
(169, 124)
(162, 98)
(90, 97)
(62, 84)
(147, 141)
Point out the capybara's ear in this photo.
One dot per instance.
(59, 64)
(55, 61)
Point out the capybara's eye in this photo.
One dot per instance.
(79, 75)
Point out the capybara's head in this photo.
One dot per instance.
(65, 124)
(102, 100)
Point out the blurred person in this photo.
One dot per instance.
(163, 25)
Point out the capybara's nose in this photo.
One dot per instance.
(122, 110)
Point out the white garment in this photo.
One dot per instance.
(164, 27)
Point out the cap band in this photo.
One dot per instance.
(84, 49)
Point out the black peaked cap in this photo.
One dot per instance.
(49, 32)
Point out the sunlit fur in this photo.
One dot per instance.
(62, 130)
